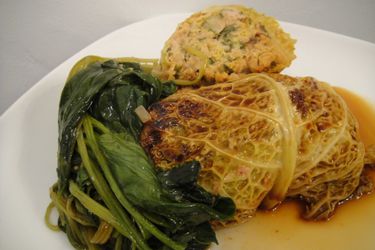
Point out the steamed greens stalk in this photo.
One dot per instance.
(133, 180)
(109, 194)
(105, 192)
(91, 141)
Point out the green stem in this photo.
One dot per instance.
(97, 209)
(146, 234)
(73, 231)
(87, 238)
(98, 125)
(118, 244)
(70, 212)
(47, 216)
(105, 192)
(89, 131)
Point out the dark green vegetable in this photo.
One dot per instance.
(172, 194)
(75, 100)
(104, 175)
(180, 184)
(110, 91)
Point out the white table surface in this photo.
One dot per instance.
(36, 36)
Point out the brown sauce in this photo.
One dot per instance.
(351, 227)
(363, 111)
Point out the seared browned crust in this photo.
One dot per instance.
(235, 130)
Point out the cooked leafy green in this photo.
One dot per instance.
(110, 91)
(109, 194)
(135, 176)
(76, 98)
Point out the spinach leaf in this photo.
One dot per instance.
(180, 184)
(115, 105)
(110, 91)
(166, 194)
(76, 98)
(199, 237)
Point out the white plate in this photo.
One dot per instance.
(28, 141)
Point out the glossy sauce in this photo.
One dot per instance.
(351, 227)
(364, 113)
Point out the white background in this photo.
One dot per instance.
(36, 36)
